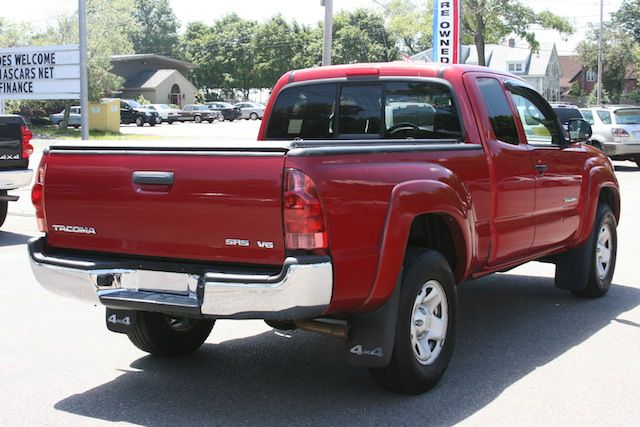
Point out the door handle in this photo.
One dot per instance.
(541, 168)
(152, 178)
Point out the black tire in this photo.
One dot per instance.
(163, 335)
(4, 208)
(637, 160)
(139, 121)
(600, 276)
(61, 125)
(231, 120)
(170, 122)
(152, 123)
(253, 116)
(210, 121)
(197, 119)
(412, 370)
(221, 119)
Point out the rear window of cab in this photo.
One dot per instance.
(391, 110)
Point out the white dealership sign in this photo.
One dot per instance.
(40, 72)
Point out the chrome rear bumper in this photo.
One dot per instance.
(12, 179)
(302, 289)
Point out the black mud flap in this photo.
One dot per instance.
(372, 335)
(121, 321)
(572, 268)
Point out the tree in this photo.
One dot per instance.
(410, 23)
(157, 28)
(360, 36)
(276, 46)
(224, 52)
(619, 57)
(110, 24)
(490, 21)
(14, 34)
(628, 17)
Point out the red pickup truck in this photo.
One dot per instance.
(373, 191)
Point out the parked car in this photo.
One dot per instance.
(616, 129)
(75, 118)
(166, 113)
(336, 220)
(250, 110)
(133, 112)
(229, 112)
(15, 150)
(565, 112)
(200, 112)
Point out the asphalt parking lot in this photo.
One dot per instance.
(527, 354)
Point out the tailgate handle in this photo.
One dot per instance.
(152, 178)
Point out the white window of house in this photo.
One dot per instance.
(515, 67)
(591, 76)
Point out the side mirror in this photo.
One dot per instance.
(579, 130)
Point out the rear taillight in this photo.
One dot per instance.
(304, 225)
(27, 148)
(37, 196)
(619, 132)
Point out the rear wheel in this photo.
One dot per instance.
(253, 116)
(425, 330)
(197, 119)
(163, 335)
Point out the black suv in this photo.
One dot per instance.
(134, 112)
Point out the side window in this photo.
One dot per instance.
(588, 115)
(305, 112)
(360, 110)
(538, 126)
(420, 110)
(605, 116)
(495, 100)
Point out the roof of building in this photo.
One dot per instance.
(570, 67)
(171, 62)
(148, 79)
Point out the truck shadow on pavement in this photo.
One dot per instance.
(509, 326)
(8, 238)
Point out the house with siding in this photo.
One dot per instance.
(540, 69)
(160, 79)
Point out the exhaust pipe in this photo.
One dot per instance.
(331, 329)
(8, 198)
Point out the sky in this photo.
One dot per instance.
(42, 12)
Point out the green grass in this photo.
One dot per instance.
(54, 132)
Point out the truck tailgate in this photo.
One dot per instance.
(11, 144)
(198, 204)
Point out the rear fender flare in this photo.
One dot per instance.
(409, 200)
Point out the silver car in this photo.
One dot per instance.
(616, 130)
(166, 113)
(75, 118)
(250, 110)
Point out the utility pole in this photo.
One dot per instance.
(600, 48)
(84, 84)
(328, 29)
